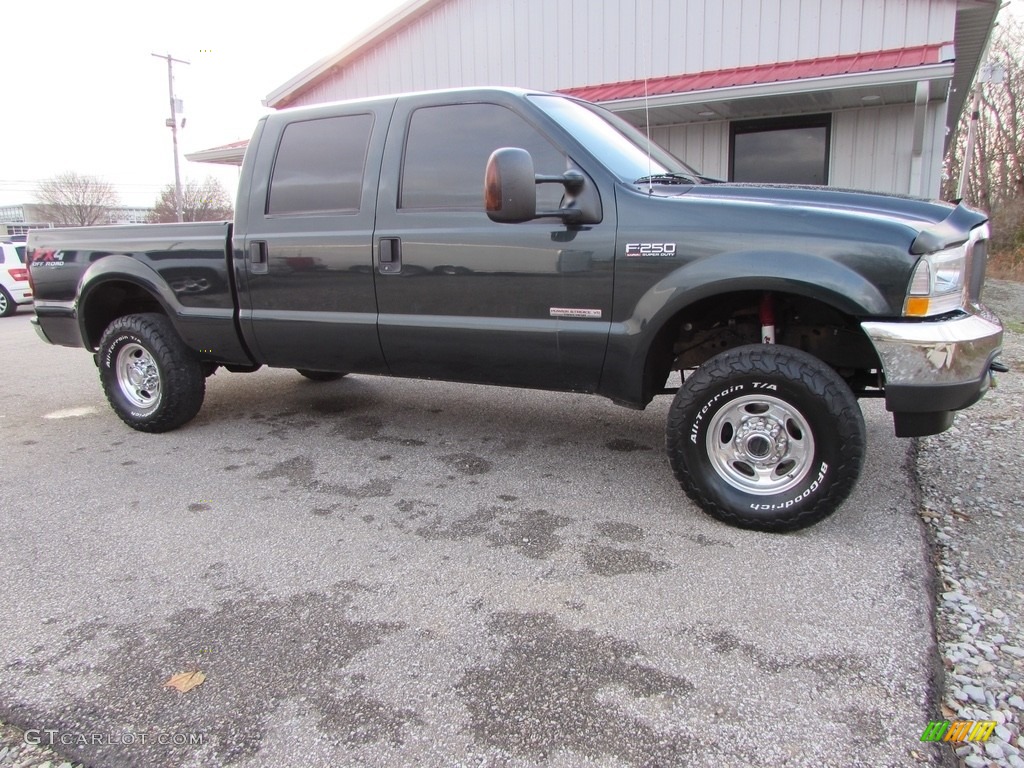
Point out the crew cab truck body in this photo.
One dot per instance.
(508, 237)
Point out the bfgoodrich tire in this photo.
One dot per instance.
(151, 379)
(766, 437)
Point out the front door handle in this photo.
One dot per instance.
(389, 256)
(258, 257)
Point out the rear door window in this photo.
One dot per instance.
(319, 166)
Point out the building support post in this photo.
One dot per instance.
(917, 152)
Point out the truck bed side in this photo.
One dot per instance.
(86, 277)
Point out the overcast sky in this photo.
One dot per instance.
(82, 92)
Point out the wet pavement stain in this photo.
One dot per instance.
(625, 445)
(705, 541)
(257, 654)
(299, 472)
(546, 693)
(532, 533)
(611, 561)
(620, 532)
(467, 463)
(828, 666)
(359, 428)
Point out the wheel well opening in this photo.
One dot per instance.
(113, 300)
(719, 323)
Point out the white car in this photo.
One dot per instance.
(14, 285)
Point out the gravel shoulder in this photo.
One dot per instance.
(971, 502)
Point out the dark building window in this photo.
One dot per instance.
(787, 150)
(319, 166)
(447, 150)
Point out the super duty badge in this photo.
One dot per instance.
(638, 250)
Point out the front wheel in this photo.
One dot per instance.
(152, 380)
(766, 437)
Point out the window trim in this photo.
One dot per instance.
(769, 124)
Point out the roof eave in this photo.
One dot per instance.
(284, 94)
(943, 70)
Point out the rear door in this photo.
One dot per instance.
(461, 297)
(307, 299)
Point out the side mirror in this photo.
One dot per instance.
(510, 186)
(510, 191)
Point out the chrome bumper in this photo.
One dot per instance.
(937, 365)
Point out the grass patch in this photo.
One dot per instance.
(1006, 264)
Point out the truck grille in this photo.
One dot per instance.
(977, 261)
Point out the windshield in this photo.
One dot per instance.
(613, 141)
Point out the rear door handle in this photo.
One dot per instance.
(258, 257)
(389, 257)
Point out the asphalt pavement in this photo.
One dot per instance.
(394, 572)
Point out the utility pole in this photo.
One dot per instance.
(172, 123)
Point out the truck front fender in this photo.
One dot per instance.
(632, 337)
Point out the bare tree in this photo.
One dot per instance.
(995, 178)
(74, 200)
(208, 201)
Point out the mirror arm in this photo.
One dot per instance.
(573, 181)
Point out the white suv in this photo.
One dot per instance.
(14, 286)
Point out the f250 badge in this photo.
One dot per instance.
(639, 250)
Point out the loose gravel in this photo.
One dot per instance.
(971, 500)
(971, 504)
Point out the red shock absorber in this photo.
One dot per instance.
(767, 313)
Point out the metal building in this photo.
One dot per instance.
(851, 93)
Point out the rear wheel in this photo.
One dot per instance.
(766, 437)
(7, 305)
(321, 375)
(152, 380)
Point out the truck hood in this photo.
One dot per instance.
(932, 225)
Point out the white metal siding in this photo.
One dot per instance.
(872, 148)
(553, 44)
(705, 146)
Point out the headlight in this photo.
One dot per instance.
(938, 283)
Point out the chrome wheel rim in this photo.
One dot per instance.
(3, 302)
(760, 444)
(138, 377)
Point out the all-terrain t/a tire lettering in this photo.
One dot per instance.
(766, 437)
(151, 379)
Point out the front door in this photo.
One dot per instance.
(461, 297)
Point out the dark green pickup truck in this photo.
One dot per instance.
(516, 238)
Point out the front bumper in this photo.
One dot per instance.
(935, 367)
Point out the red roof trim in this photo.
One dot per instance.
(895, 58)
